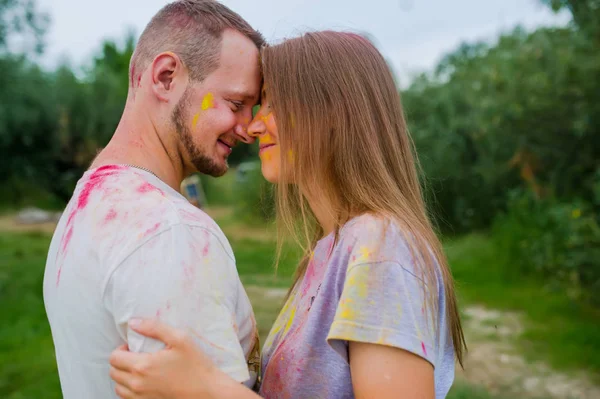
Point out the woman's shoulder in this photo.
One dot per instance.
(373, 228)
(376, 237)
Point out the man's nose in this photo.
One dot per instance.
(241, 132)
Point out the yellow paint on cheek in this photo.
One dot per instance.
(265, 118)
(266, 155)
(195, 120)
(208, 101)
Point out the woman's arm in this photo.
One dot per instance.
(382, 372)
(181, 371)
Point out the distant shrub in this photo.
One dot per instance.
(557, 240)
(254, 199)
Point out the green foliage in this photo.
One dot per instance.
(522, 113)
(254, 195)
(20, 19)
(558, 329)
(559, 241)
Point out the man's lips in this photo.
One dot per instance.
(228, 148)
(230, 145)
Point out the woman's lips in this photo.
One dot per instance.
(264, 147)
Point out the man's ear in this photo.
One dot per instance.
(168, 75)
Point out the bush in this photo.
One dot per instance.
(557, 240)
(254, 195)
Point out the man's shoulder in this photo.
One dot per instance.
(126, 208)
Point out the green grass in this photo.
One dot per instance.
(27, 365)
(461, 390)
(559, 330)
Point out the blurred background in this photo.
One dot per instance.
(502, 99)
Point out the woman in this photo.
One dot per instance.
(372, 312)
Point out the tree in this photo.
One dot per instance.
(21, 19)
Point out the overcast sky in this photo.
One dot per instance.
(412, 34)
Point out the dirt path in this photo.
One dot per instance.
(495, 362)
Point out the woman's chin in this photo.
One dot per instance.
(270, 175)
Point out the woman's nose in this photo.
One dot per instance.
(256, 128)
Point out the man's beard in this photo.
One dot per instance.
(201, 161)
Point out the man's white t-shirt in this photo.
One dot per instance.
(128, 245)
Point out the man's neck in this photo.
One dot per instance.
(136, 142)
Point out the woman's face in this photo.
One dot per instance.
(264, 128)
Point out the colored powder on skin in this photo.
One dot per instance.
(195, 120)
(266, 156)
(265, 118)
(208, 101)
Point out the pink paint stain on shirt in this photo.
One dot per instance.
(110, 216)
(423, 347)
(207, 244)
(147, 188)
(152, 229)
(94, 183)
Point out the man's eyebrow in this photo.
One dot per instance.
(247, 96)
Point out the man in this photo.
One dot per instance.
(129, 244)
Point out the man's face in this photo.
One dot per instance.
(212, 116)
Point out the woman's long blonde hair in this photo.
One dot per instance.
(344, 140)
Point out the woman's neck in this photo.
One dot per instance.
(322, 210)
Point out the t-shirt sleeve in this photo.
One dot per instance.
(184, 277)
(382, 303)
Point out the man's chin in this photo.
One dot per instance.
(213, 169)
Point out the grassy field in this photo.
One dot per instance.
(558, 330)
(27, 364)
